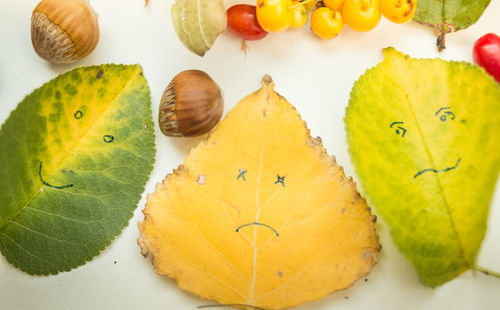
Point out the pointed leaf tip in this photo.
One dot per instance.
(388, 51)
(266, 80)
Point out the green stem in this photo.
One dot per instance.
(487, 271)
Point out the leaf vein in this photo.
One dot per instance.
(431, 159)
(203, 271)
(25, 250)
(274, 290)
(219, 252)
(42, 234)
(60, 216)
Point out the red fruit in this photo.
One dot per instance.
(486, 53)
(242, 22)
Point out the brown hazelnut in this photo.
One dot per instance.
(64, 31)
(191, 105)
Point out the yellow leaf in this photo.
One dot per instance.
(259, 214)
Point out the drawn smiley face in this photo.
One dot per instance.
(106, 138)
(443, 114)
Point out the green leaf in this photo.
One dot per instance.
(449, 15)
(198, 23)
(74, 158)
(423, 136)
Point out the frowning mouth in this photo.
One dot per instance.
(261, 224)
(437, 171)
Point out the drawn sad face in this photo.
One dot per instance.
(280, 180)
(241, 177)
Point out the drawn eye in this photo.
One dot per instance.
(444, 114)
(399, 129)
(108, 138)
(241, 174)
(78, 114)
(280, 180)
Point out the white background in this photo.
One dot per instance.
(314, 75)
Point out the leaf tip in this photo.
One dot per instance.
(267, 80)
(390, 51)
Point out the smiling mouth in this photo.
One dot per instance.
(47, 183)
(437, 171)
(261, 224)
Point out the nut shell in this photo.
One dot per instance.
(191, 105)
(64, 31)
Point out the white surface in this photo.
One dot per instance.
(314, 75)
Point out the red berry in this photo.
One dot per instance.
(242, 22)
(486, 53)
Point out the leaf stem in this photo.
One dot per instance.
(487, 271)
(441, 41)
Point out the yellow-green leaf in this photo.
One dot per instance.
(259, 214)
(74, 157)
(198, 23)
(423, 135)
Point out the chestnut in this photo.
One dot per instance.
(191, 105)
